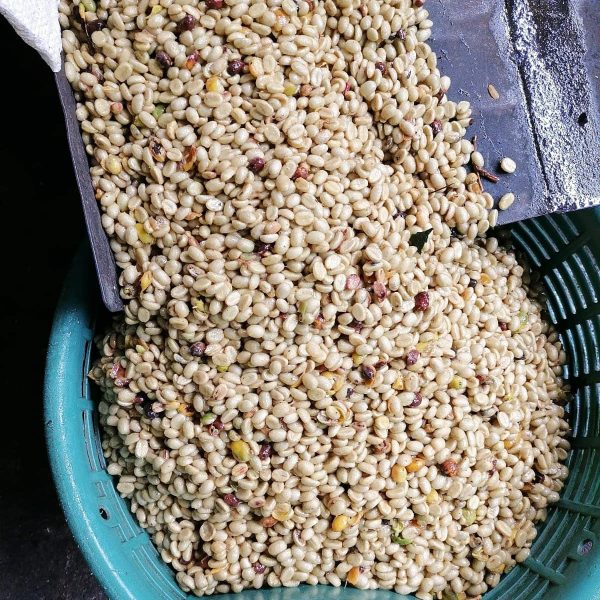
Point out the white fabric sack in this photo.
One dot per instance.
(36, 22)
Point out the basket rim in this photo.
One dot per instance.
(72, 322)
(75, 307)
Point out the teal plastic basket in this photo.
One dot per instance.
(565, 557)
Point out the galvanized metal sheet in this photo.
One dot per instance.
(543, 58)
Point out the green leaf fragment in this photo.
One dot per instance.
(159, 109)
(396, 526)
(419, 239)
(523, 318)
(208, 418)
(470, 516)
(400, 540)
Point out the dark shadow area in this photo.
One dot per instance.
(43, 226)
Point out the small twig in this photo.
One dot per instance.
(485, 173)
(479, 180)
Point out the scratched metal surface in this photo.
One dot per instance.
(543, 57)
(104, 261)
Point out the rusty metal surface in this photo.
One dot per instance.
(543, 58)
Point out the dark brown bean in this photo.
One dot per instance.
(412, 357)
(236, 66)
(186, 24)
(163, 59)
(256, 165)
(422, 301)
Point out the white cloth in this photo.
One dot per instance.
(36, 22)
